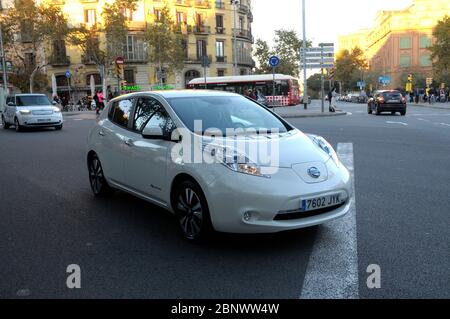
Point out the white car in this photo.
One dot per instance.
(31, 110)
(153, 145)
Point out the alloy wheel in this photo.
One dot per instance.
(190, 213)
(96, 176)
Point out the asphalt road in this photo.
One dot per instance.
(128, 248)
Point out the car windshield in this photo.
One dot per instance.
(32, 100)
(225, 112)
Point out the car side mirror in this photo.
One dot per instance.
(54, 103)
(176, 136)
(153, 132)
(11, 104)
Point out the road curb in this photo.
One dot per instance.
(311, 115)
(430, 106)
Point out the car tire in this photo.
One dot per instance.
(58, 127)
(4, 124)
(377, 111)
(192, 212)
(369, 109)
(403, 113)
(17, 125)
(97, 180)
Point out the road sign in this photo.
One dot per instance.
(317, 55)
(120, 60)
(319, 60)
(385, 80)
(205, 61)
(326, 44)
(361, 84)
(325, 49)
(331, 74)
(274, 61)
(319, 66)
(68, 74)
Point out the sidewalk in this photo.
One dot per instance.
(314, 110)
(436, 105)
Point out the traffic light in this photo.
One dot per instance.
(410, 78)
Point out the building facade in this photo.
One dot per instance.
(399, 42)
(207, 26)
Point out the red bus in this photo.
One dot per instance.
(286, 87)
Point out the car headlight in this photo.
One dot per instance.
(326, 147)
(233, 160)
(25, 112)
(56, 110)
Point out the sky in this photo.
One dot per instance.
(325, 19)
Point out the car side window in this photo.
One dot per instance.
(120, 112)
(150, 111)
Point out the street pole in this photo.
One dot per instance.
(273, 86)
(2, 52)
(234, 2)
(322, 80)
(204, 74)
(305, 84)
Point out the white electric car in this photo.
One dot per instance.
(31, 110)
(218, 161)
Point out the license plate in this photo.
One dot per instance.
(393, 101)
(321, 202)
(43, 120)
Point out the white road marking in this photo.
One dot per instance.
(445, 124)
(423, 120)
(349, 113)
(401, 123)
(332, 271)
(77, 119)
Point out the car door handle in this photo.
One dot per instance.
(101, 133)
(129, 142)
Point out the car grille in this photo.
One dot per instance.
(42, 112)
(300, 215)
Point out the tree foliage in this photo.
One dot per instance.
(287, 46)
(165, 43)
(440, 50)
(350, 67)
(26, 25)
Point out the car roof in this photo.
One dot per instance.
(29, 94)
(180, 94)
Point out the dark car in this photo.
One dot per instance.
(387, 101)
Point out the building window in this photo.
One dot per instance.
(30, 60)
(425, 42)
(89, 16)
(220, 50)
(201, 48)
(425, 60)
(219, 24)
(199, 20)
(220, 72)
(405, 42)
(128, 14)
(405, 61)
(243, 72)
(181, 18)
(220, 4)
(128, 75)
(97, 79)
(241, 23)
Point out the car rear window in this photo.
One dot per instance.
(392, 95)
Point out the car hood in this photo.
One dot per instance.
(274, 150)
(36, 107)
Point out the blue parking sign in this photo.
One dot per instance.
(274, 61)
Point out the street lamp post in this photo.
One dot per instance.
(2, 52)
(234, 3)
(305, 84)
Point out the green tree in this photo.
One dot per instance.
(26, 26)
(315, 85)
(262, 54)
(287, 48)
(114, 29)
(350, 67)
(167, 46)
(440, 50)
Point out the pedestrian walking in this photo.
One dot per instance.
(97, 103)
(332, 107)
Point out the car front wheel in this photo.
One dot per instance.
(96, 177)
(192, 211)
(4, 124)
(17, 125)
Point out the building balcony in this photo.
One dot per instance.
(87, 60)
(221, 59)
(137, 55)
(59, 60)
(202, 4)
(199, 29)
(242, 8)
(196, 60)
(248, 62)
(184, 3)
(244, 34)
(220, 30)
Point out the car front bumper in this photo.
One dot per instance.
(54, 119)
(234, 197)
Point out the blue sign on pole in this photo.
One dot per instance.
(274, 61)
(68, 75)
(385, 80)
